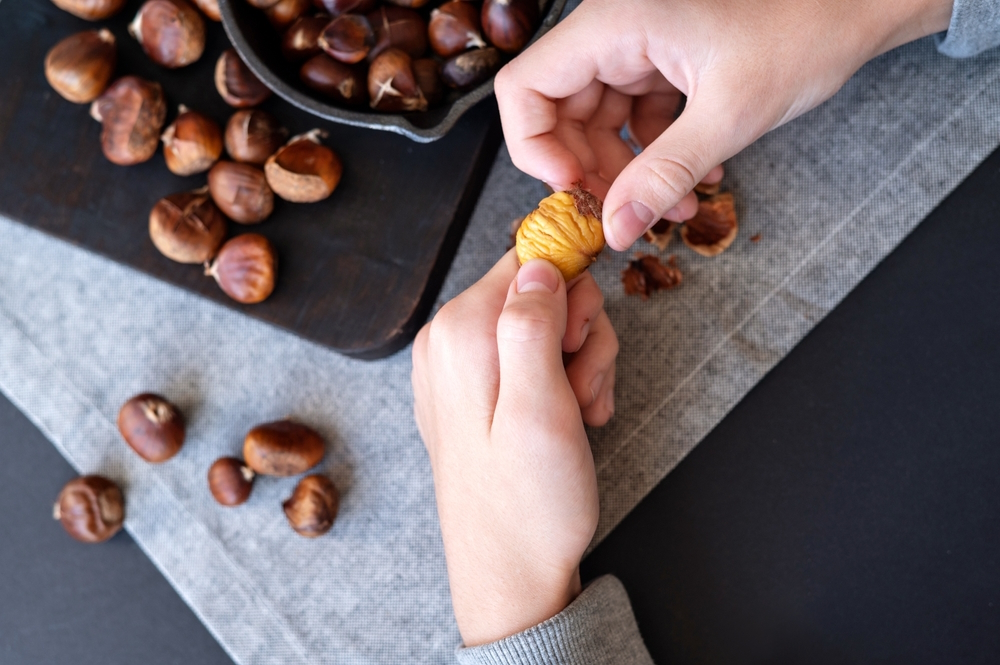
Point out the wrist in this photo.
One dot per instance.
(910, 20)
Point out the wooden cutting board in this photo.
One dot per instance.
(358, 272)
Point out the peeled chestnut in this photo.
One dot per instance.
(392, 84)
(171, 32)
(283, 448)
(152, 427)
(230, 481)
(192, 143)
(428, 74)
(241, 192)
(81, 65)
(90, 508)
(209, 8)
(285, 12)
(334, 79)
(304, 171)
(245, 269)
(338, 7)
(454, 28)
(187, 227)
(253, 135)
(510, 24)
(301, 40)
(348, 38)
(90, 10)
(471, 68)
(313, 506)
(239, 87)
(131, 113)
(398, 27)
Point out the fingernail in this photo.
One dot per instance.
(631, 221)
(537, 276)
(609, 402)
(674, 215)
(584, 332)
(595, 387)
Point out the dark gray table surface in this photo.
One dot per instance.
(846, 511)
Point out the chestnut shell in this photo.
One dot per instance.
(313, 506)
(304, 171)
(392, 84)
(301, 40)
(510, 24)
(230, 481)
(239, 87)
(399, 28)
(347, 38)
(171, 32)
(131, 113)
(80, 66)
(152, 427)
(471, 68)
(90, 508)
(187, 227)
(253, 135)
(245, 269)
(241, 192)
(283, 448)
(334, 79)
(192, 143)
(454, 28)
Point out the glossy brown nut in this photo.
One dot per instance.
(187, 227)
(400, 28)
(90, 10)
(171, 32)
(412, 4)
(80, 67)
(510, 24)
(245, 268)
(210, 8)
(253, 135)
(90, 508)
(131, 113)
(286, 12)
(152, 427)
(454, 28)
(472, 68)
(283, 448)
(230, 481)
(343, 83)
(428, 74)
(301, 40)
(338, 7)
(392, 85)
(312, 508)
(239, 87)
(191, 143)
(348, 38)
(304, 171)
(241, 192)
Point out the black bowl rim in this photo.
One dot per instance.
(389, 122)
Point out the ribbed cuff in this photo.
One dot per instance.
(975, 27)
(596, 629)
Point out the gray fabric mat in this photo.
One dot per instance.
(831, 194)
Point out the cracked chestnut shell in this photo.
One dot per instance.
(565, 230)
(152, 427)
(230, 481)
(80, 66)
(283, 448)
(471, 68)
(192, 143)
(239, 87)
(90, 10)
(347, 38)
(312, 508)
(187, 227)
(245, 268)
(241, 192)
(712, 230)
(131, 113)
(343, 83)
(400, 28)
(253, 135)
(171, 32)
(286, 12)
(301, 40)
(454, 28)
(90, 508)
(305, 170)
(392, 84)
(510, 24)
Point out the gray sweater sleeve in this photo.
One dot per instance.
(598, 628)
(975, 27)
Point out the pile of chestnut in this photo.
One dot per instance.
(397, 57)
(92, 508)
(190, 227)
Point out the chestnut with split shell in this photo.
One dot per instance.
(400, 28)
(230, 481)
(90, 508)
(241, 192)
(239, 87)
(152, 427)
(90, 10)
(187, 227)
(392, 84)
(348, 38)
(313, 506)
(253, 135)
(131, 113)
(283, 448)
(565, 230)
(245, 269)
(80, 66)
(305, 170)
(509, 24)
(192, 143)
(454, 28)
(171, 32)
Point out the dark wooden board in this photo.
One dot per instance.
(357, 273)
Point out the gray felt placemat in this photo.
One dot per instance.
(831, 194)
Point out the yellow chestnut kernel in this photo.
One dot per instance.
(565, 230)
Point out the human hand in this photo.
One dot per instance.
(503, 421)
(746, 67)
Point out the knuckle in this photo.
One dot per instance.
(672, 175)
(527, 322)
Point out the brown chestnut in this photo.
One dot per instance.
(171, 32)
(152, 427)
(241, 192)
(338, 7)
(471, 68)
(90, 508)
(131, 113)
(245, 269)
(283, 448)
(80, 66)
(412, 4)
(301, 40)
(253, 135)
(348, 38)
(454, 28)
(428, 74)
(334, 79)
(392, 85)
(398, 27)
(192, 143)
(510, 24)
(285, 12)
(187, 227)
(230, 481)
(304, 171)
(313, 506)
(239, 87)
(90, 10)
(210, 8)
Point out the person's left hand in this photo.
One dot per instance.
(504, 378)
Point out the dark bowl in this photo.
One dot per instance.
(259, 46)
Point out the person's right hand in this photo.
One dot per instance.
(746, 67)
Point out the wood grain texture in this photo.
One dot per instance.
(357, 273)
